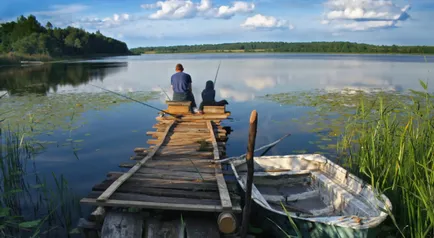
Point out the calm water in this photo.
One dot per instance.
(111, 135)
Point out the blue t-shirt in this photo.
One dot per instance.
(180, 82)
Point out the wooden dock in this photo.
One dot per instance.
(177, 173)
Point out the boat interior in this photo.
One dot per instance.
(310, 186)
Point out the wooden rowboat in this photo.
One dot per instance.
(322, 198)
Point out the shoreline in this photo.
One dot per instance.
(281, 52)
(15, 60)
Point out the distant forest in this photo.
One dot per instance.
(27, 36)
(310, 47)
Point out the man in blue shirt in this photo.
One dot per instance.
(181, 85)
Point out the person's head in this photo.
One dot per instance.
(209, 84)
(179, 68)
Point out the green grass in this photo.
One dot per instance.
(391, 145)
(386, 138)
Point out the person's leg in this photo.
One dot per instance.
(190, 97)
(221, 103)
(179, 97)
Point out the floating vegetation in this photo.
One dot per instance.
(46, 114)
(385, 138)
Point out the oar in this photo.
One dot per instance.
(160, 110)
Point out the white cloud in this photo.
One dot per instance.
(58, 10)
(107, 22)
(266, 22)
(182, 9)
(362, 15)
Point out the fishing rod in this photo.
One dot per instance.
(165, 93)
(215, 79)
(160, 110)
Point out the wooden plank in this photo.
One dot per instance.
(137, 188)
(130, 197)
(183, 168)
(122, 225)
(223, 190)
(193, 185)
(159, 205)
(214, 109)
(104, 196)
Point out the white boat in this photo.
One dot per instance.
(321, 197)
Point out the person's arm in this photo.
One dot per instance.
(190, 83)
(213, 95)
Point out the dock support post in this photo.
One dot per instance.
(250, 168)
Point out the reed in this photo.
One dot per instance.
(28, 205)
(391, 145)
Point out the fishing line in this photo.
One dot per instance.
(160, 110)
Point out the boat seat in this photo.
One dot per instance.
(214, 109)
(178, 107)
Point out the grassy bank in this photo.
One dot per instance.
(16, 58)
(387, 139)
(13, 58)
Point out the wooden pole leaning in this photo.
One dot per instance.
(116, 184)
(250, 168)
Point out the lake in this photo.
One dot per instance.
(105, 130)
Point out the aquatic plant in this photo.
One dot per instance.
(386, 138)
(28, 206)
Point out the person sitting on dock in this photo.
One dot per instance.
(182, 90)
(208, 96)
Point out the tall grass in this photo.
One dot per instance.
(29, 206)
(391, 145)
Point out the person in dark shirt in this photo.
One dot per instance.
(182, 90)
(208, 96)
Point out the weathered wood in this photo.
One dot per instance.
(227, 222)
(199, 117)
(171, 229)
(223, 191)
(136, 188)
(193, 185)
(140, 150)
(122, 225)
(98, 215)
(201, 227)
(199, 206)
(214, 109)
(125, 176)
(88, 229)
(250, 168)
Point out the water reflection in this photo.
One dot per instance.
(42, 79)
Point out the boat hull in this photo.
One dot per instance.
(270, 222)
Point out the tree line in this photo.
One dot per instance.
(28, 36)
(309, 47)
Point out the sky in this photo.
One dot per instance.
(186, 22)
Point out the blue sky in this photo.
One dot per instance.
(175, 22)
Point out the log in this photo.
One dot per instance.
(201, 227)
(250, 168)
(122, 225)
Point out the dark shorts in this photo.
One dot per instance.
(185, 97)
